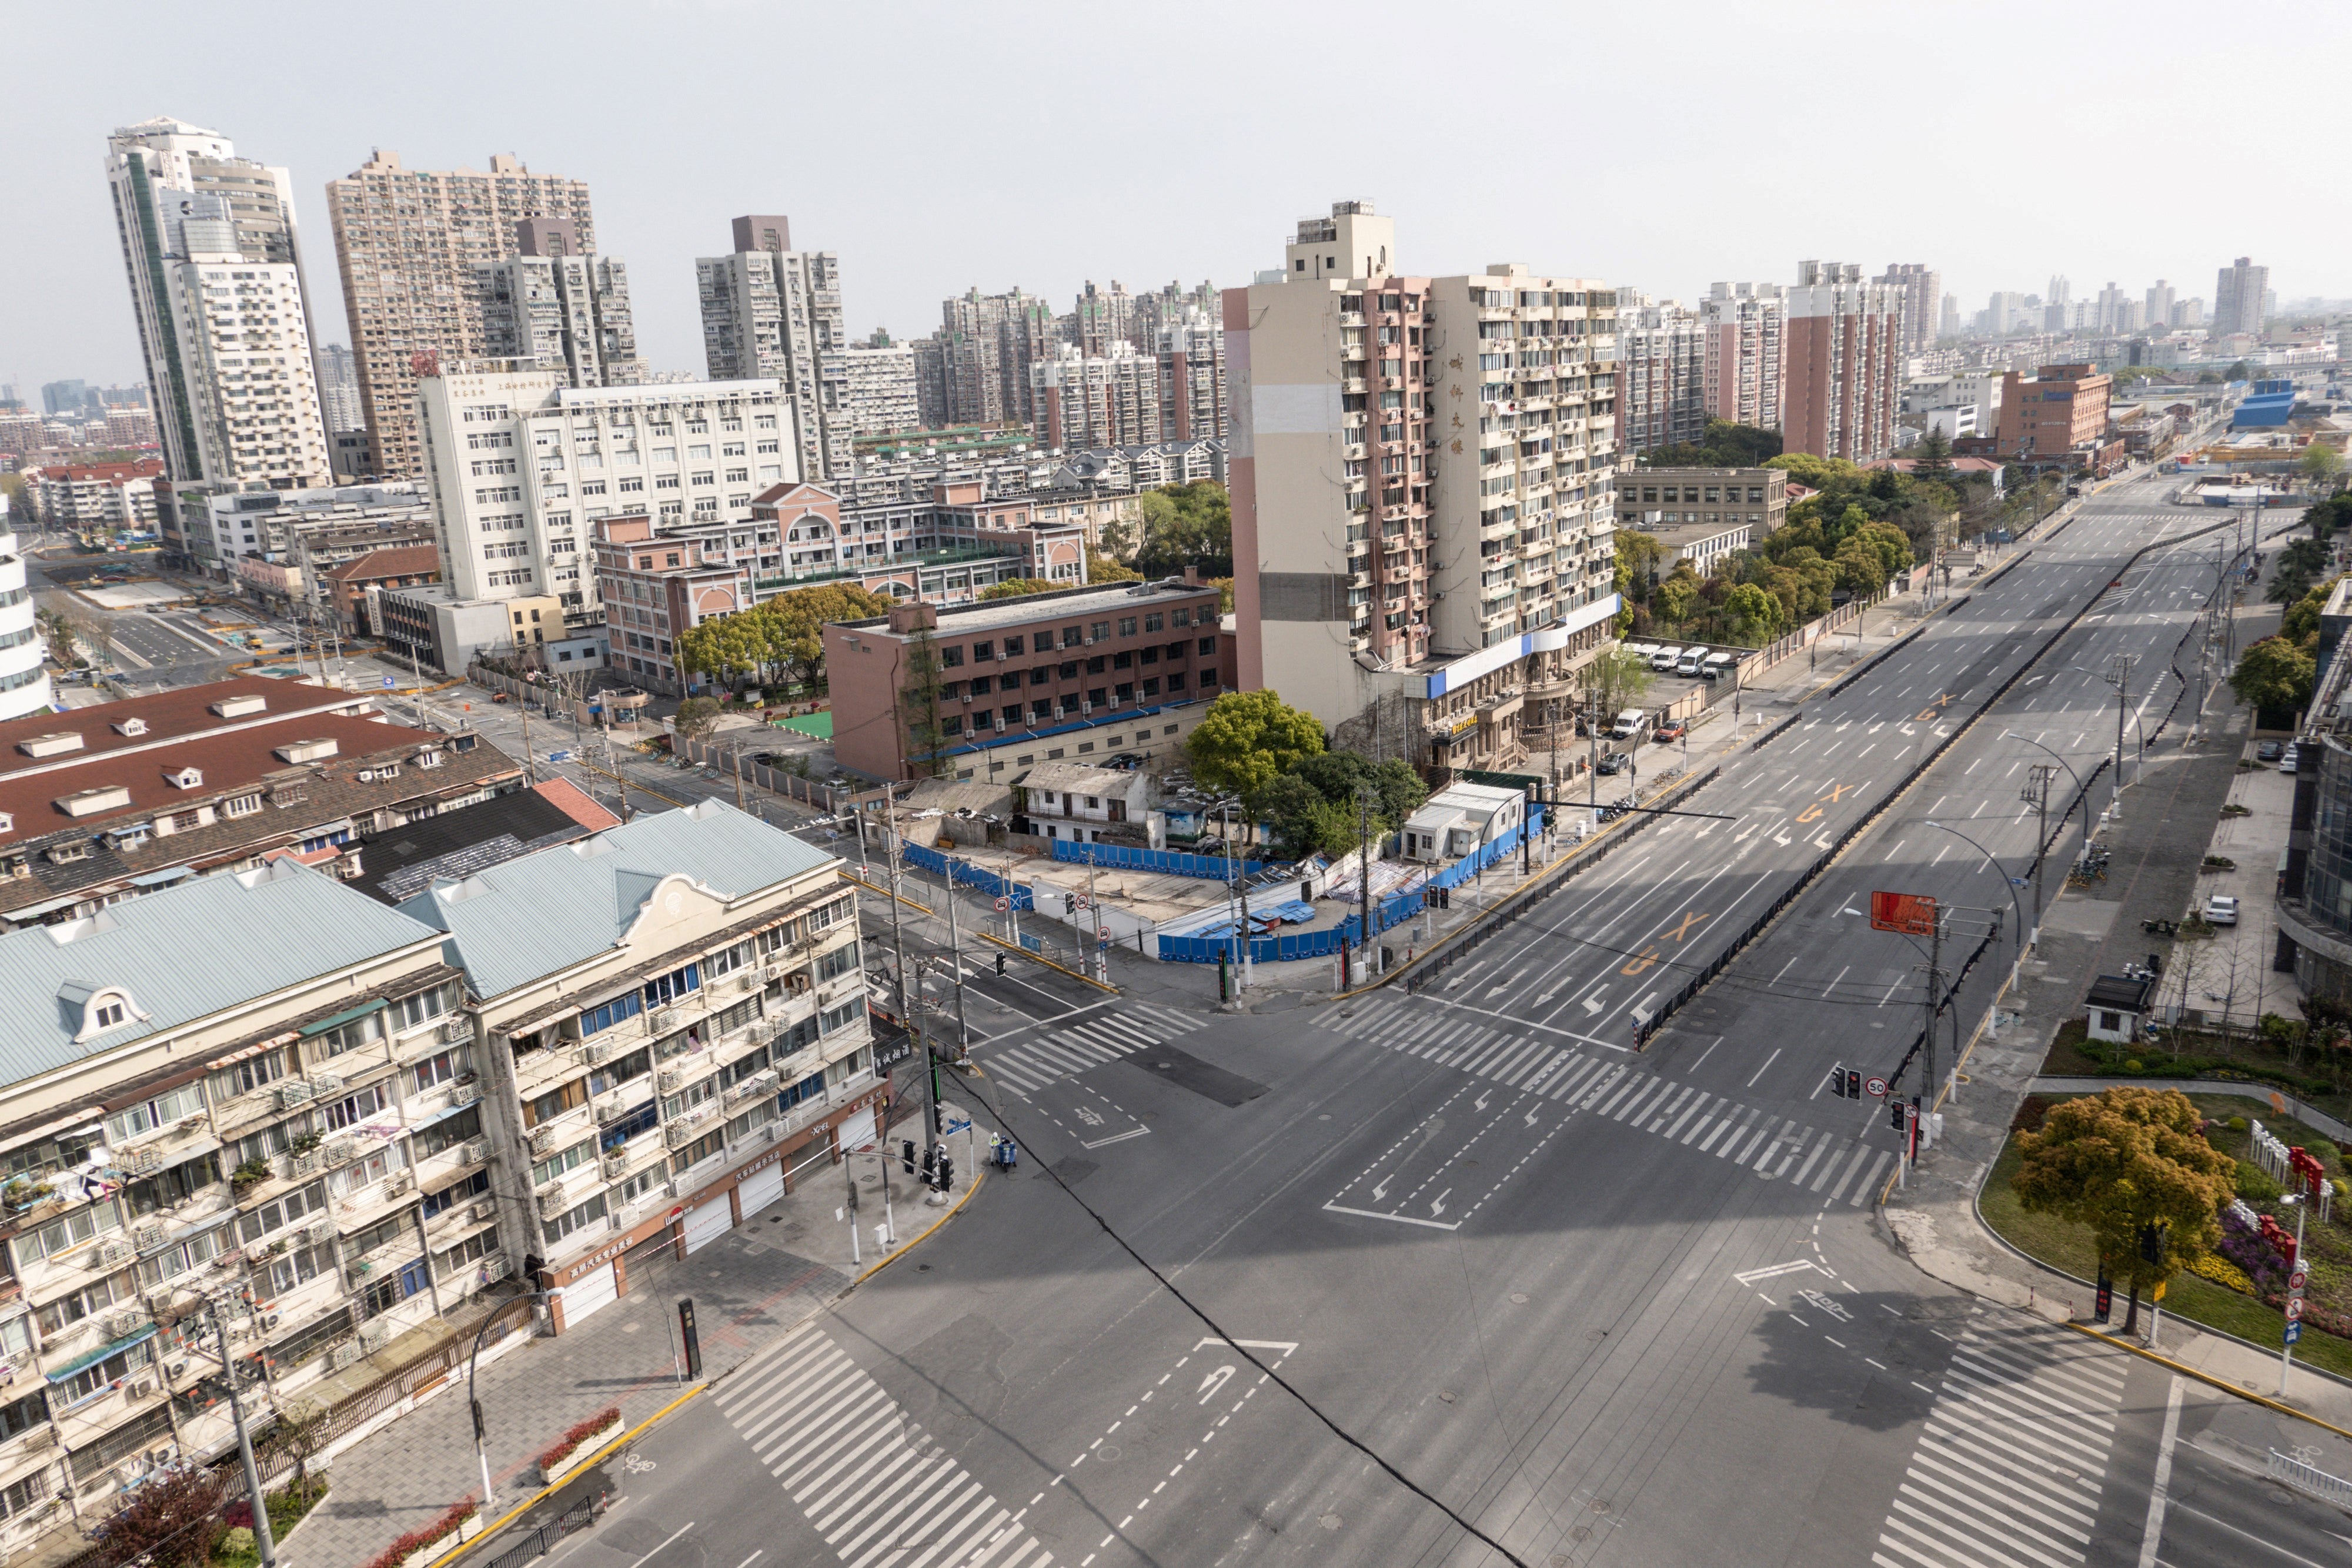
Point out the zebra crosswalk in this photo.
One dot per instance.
(1775, 1148)
(870, 1483)
(1029, 1065)
(2008, 1470)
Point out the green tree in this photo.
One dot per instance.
(1674, 599)
(1755, 613)
(1725, 445)
(2120, 1162)
(1246, 739)
(2300, 624)
(172, 1521)
(1614, 681)
(1638, 558)
(1017, 588)
(695, 715)
(2321, 468)
(1187, 525)
(1118, 537)
(2239, 371)
(1934, 458)
(2275, 675)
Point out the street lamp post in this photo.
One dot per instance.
(261, 1538)
(481, 1444)
(2018, 908)
(2080, 788)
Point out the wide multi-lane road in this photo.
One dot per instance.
(1465, 1277)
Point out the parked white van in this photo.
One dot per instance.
(1716, 666)
(1631, 725)
(1644, 652)
(1665, 658)
(1691, 662)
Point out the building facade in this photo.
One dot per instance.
(1661, 375)
(553, 308)
(2057, 410)
(1842, 363)
(928, 688)
(1923, 292)
(407, 241)
(2239, 292)
(82, 496)
(771, 312)
(1754, 499)
(1422, 470)
(339, 389)
(23, 651)
(284, 1139)
(520, 465)
(223, 526)
(215, 264)
(1741, 373)
(878, 388)
(674, 1055)
(989, 342)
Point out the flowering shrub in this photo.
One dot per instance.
(552, 1460)
(417, 1540)
(2242, 1244)
(2224, 1272)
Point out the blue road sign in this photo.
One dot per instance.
(2294, 1333)
(387, 682)
(563, 756)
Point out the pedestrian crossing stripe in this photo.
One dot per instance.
(2009, 1467)
(1775, 1149)
(870, 1483)
(1066, 1049)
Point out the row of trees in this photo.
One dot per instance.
(781, 639)
(2277, 675)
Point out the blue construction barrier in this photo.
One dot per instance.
(1393, 910)
(969, 875)
(1168, 860)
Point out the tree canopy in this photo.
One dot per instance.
(1246, 739)
(1017, 588)
(784, 635)
(2123, 1160)
(2275, 675)
(1725, 445)
(1187, 525)
(1614, 681)
(1315, 807)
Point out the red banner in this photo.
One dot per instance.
(1908, 912)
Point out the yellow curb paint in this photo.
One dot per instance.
(2247, 1395)
(977, 1177)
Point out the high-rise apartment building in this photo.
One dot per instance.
(2158, 311)
(1842, 363)
(1923, 290)
(992, 341)
(2238, 298)
(1421, 472)
(1128, 396)
(771, 312)
(407, 241)
(931, 381)
(520, 464)
(554, 308)
(1741, 371)
(1661, 379)
(208, 240)
(339, 388)
(878, 387)
(1949, 326)
(1192, 353)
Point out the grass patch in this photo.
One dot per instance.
(2067, 1246)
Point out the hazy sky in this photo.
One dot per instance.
(1657, 146)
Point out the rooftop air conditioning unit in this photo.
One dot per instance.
(124, 1323)
(677, 1132)
(610, 1111)
(665, 1018)
(617, 1163)
(339, 1150)
(396, 1184)
(149, 1236)
(540, 1138)
(668, 1078)
(292, 1092)
(598, 1051)
(111, 1251)
(458, 1030)
(473, 1151)
(374, 1336)
(327, 1083)
(486, 1210)
(493, 1268)
(551, 1203)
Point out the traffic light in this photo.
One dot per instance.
(2151, 1243)
(1853, 1082)
(1895, 1113)
(906, 1154)
(1069, 903)
(930, 1162)
(2105, 1301)
(1837, 1081)
(947, 1172)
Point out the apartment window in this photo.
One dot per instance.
(563, 1160)
(161, 1111)
(425, 1006)
(346, 1036)
(448, 1132)
(441, 1067)
(58, 1315)
(555, 1101)
(192, 1253)
(97, 1378)
(353, 1109)
(250, 1074)
(1127, 625)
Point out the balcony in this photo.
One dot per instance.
(457, 1093)
(433, 1170)
(370, 1204)
(537, 1072)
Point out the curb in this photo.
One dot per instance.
(1041, 958)
(624, 1440)
(953, 1210)
(2248, 1394)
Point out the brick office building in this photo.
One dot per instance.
(2054, 412)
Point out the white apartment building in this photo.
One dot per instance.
(24, 652)
(1745, 324)
(770, 311)
(339, 388)
(1660, 384)
(518, 462)
(554, 308)
(878, 388)
(208, 240)
(1422, 469)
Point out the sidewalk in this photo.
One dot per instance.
(2153, 871)
(781, 1267)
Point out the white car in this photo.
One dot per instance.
(2286, 761)
(2221, 910)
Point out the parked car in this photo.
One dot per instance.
(2286, 760)
(2221, 910)
(2269, 750)
(1630, 725)
(1612, 762)
(1673, 729)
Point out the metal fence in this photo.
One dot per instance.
(2310, 1479)
(1173, 862)
(540, 1541)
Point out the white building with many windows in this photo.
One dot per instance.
(24, 652)
(519, 463)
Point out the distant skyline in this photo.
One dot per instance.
(1048, 144)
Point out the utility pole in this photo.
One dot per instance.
(522, 706)
(1935, 1010)
(1101, 964)
(2036, 794)
(738, 755)
(261, 1538)
(1364, 869)
(955, 958)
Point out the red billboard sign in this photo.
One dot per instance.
(1908, 912)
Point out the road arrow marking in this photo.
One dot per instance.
(1437, 1204)
(1213, 1382)
(1800, 1266)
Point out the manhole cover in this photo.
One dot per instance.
(1329, 1522)
(1520, 1297)
(1600, 1505)
(1108, 1454)
(1448, 1396)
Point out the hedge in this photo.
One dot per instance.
(552, 1460)
(416, 1541)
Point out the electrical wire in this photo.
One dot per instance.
(1305, 1403)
